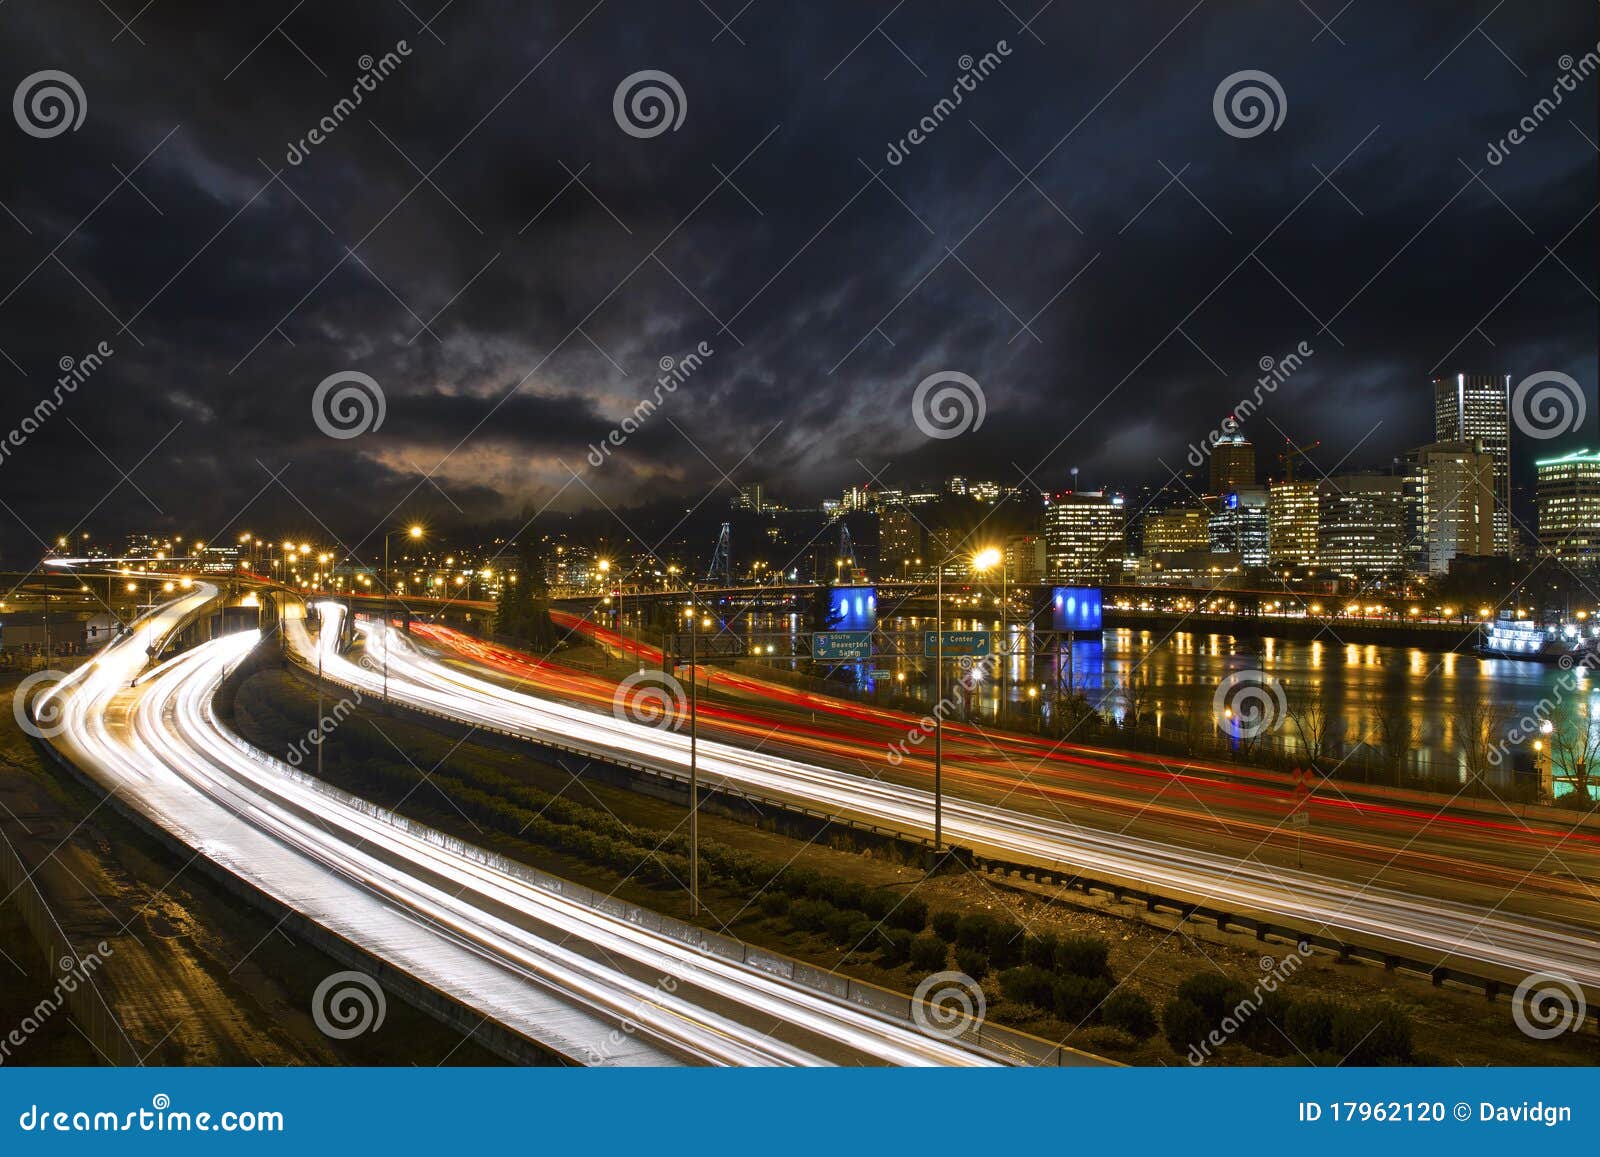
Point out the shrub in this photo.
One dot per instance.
(1130, 1012)
(1376, 1035)
(1309, 1024)
(973, 931)
(911, 914)
(839, 925)
(862, 936)
(878, 903)
(1040, 951)
(1083, 956)
(1265, 1029)
(774, 903)
(945, 924)
(1029, 984)
(1185, 1024)
(1005, 943)
(797, 881)
(973, 962)
(1078, 998)
(1212, 993)
(928, 952)
(810, 915)
(894, 947)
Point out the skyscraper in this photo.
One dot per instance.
(1239, 525)
(1083, 535)
(1292, 523)
(1568, 497)
(1468, 406)
(1455, 488)
(1233, 464)
(1361, 532)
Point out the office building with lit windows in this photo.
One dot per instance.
(1239, 525)
(1478, 406)
(1568, 500)
(1455, 488)
(1361, 525)
(1292, 519)
(1083, 536)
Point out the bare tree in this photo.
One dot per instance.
(1478, 730)
(1314, 725)
(1396, 734)
(1574, 745)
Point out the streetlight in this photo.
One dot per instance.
(983, 561)
(694, 762)
(410, 532)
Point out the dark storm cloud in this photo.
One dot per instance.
(515, 305)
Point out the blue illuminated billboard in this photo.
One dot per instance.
(852, 608)
(1075, 608)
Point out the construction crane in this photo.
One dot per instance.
(1291, 452)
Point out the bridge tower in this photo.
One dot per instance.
(722, 559)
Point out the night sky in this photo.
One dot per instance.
(485, 241)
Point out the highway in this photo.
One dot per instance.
(1408, 842)
(595, 987)
(1465, 935)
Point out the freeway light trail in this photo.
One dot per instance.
(1111, 788)
(455, 918)
(1450, 933)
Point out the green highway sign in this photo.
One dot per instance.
(841, 646)
(956, 644)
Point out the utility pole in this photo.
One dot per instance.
(938, 711)
(694, 766)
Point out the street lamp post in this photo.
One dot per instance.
(694, 765)
(388, 576)
(938, 711)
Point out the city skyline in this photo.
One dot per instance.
(1112, 265)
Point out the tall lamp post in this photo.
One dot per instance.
(694, 763)
(983, 561)
(409, 532)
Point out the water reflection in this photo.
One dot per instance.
(1169, 679)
